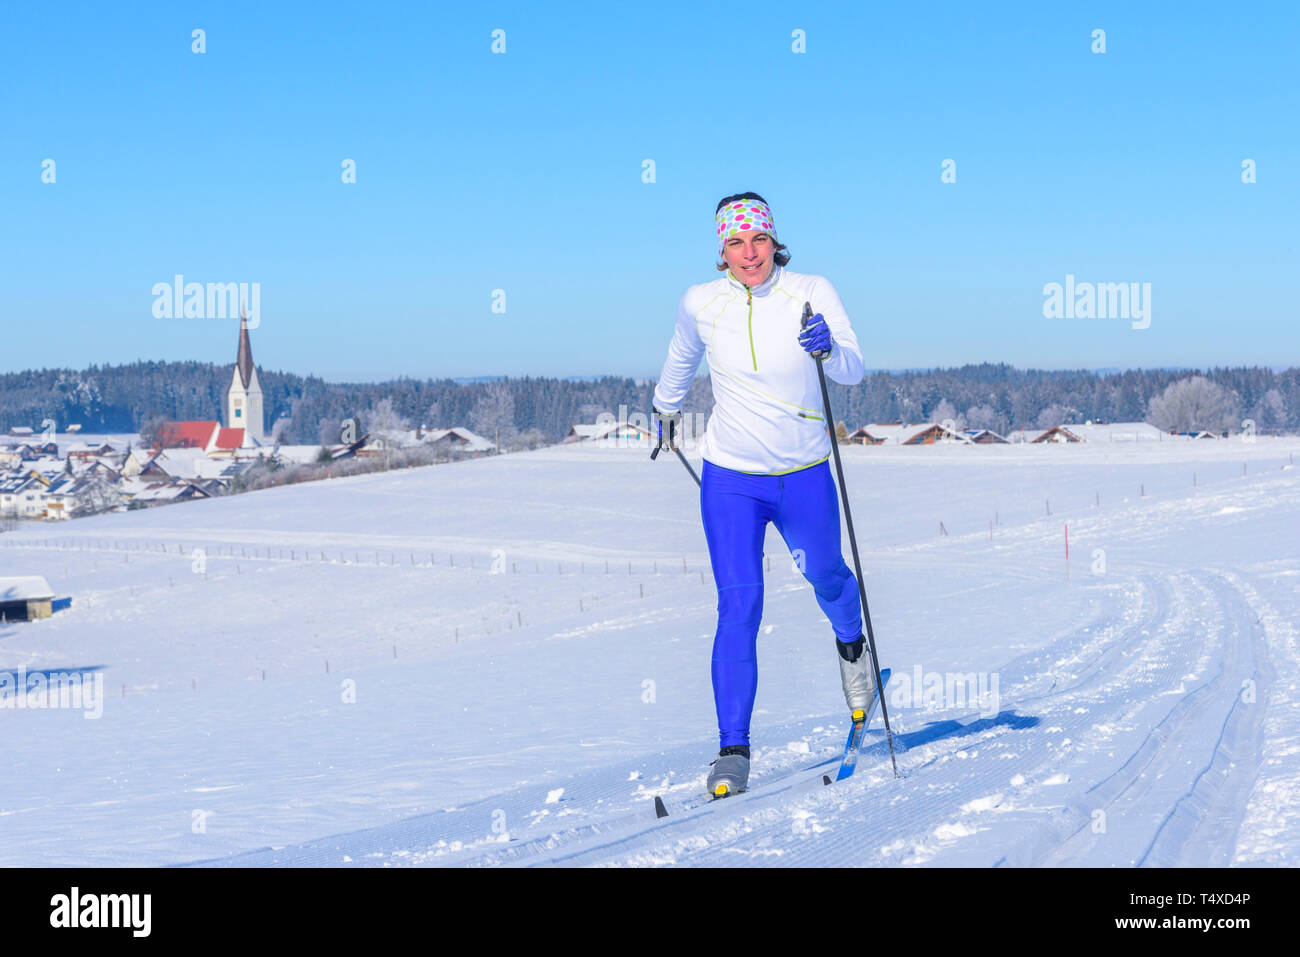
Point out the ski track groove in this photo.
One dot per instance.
(1153, 679)
(1148, 641)
(1145, 640)
(1159, 649)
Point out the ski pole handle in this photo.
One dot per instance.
(666, 429)
(818, 354)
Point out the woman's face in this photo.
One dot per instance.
(750, 257)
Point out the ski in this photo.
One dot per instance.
(853, 747)
(848, 764)
(796, 779)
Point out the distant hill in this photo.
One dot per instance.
(307, 409)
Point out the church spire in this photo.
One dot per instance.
(244, 397)
(244, 360)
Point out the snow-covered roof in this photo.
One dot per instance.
(62, 484)
(302, 454)
(583, 432)
(165, 493)
(893, 433)
(135, 485)
(12, 482)
(24, 588)
(181, 461)
(210, 468)
(1057, 433)
(469, 441)
(1115, 431)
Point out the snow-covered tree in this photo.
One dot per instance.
(1270, 412)
(98, 493)
(1194, 404)
(329, 432)
(531, 439)
(944, 412)
(985, 417)
(493, 415)
(1053, 415)
(382, 417)
(278, 429)
(149, 428)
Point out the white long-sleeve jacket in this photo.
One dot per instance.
(767, 414)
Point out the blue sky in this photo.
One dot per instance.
(522, 172)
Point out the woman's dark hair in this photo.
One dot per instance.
(780, 257)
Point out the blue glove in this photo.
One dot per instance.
(667, 428)
(816, 338)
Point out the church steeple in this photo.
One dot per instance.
(244, 359)
(244, 397)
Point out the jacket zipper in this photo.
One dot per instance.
(750, 295)
(749, 298)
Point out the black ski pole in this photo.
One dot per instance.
(655, 453)
(853, 541)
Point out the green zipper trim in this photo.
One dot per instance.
(767, 395)
(717, 367)
(750, 293)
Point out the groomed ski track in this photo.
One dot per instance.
(1133, 739)
(1142, 693)
(1145, 710)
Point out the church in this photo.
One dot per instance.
(244, 421)
(244, 397)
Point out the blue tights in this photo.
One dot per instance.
(736, 508)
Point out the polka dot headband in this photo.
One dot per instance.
(741, 217)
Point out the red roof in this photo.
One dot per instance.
(185, 435)
(230, 438)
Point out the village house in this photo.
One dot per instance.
(27, 496)
(610, 435)
(1057, 433)
(166, 493)
(1114, 431)
(898, 433)
(456, 439)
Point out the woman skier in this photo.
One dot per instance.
(765, 452)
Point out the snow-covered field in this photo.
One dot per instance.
(502, 661)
